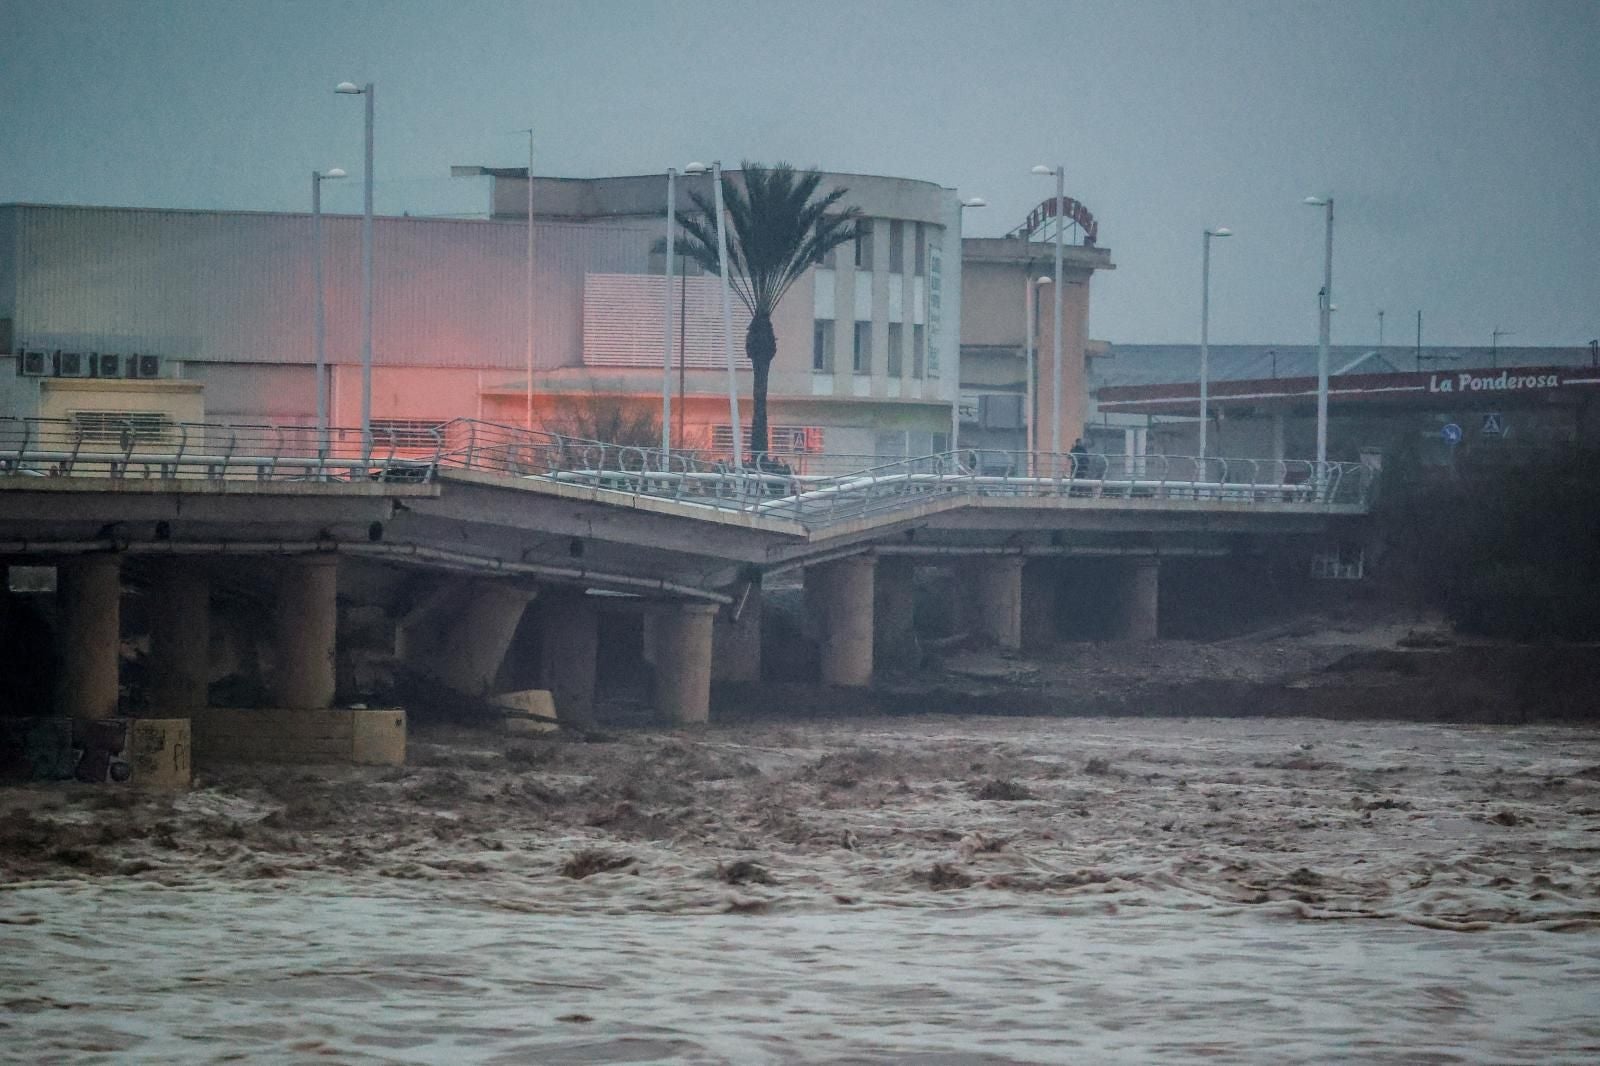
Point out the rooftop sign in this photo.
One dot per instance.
(1069, 211)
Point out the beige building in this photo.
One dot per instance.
(996, 276)
(185, 316)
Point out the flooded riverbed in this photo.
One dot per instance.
(929, 890)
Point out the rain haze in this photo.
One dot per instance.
(1457, 138)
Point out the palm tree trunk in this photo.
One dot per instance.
(760, 345)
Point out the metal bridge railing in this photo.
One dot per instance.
(58, 447)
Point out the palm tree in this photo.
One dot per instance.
(776, 231)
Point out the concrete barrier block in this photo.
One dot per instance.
(378, 737)
(531, 710)
(332, 735)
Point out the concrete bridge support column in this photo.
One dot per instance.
(91, 635)
(180, 637)
(570, 646)
(304, 623)
(683, 662)
(1139, 612)
(995, 607)
(473, 642)
(894, 633)
(839, 595)
(1040, 581)
(736, 642)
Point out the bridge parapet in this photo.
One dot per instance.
(768, 488)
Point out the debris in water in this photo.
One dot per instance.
(581, 864)
(1004, 789)
(744, 872)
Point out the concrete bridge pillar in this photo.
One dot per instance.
(894, 633)
(1139, 615)
(994, 583)
(736, 651)
(473, 641)
(570, 646)
(839, 596)
(180, 637)
(1040, 580)
(683, 638)
(304, 623)
(90, 594)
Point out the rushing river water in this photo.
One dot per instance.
(1146, 893)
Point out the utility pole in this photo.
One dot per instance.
(1419, 340)
(1380, 329)
(1494, 344)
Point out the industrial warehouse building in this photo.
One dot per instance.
(1436, 403)
(187, 316)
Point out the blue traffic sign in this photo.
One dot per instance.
(1451, 433)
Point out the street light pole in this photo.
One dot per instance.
(320, 317)
(1031, 309)
(727, 307)
(1205, 328)
(529, 295)
(666, 343)
(351, 89)
(1325, 323)
(1055, 379)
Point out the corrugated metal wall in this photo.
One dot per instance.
(236, 287)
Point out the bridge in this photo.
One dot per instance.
(444, 540)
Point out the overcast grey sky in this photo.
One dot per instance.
(1461, 139)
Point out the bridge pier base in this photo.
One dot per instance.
(180, 637)
(894, 632)
(994, 587)
(1138, 613)
(1040, 580)
(839, 597)
(91, 636)
(683, 637)
(570, 646)
(305, 620)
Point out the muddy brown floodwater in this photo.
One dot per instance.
(927, 889)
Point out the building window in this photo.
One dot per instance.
(861, 363)
(822, 345)
(897, 246)
(864, 244)
(827, 260)
(919, 349)
(892, 358)
(921, 251)
(407, 432)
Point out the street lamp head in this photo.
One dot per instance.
(976, 201)
(696, 168)
(1044, 279)
(1317, 201)
(1220, 231)
(1042, 169)
(349, 88)
(336, 172)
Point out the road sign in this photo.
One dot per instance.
(1492, 425)
(1451, 433)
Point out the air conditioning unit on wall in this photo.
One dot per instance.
(106, 365)
(144, 366)
(72, 364)
(33, 363)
